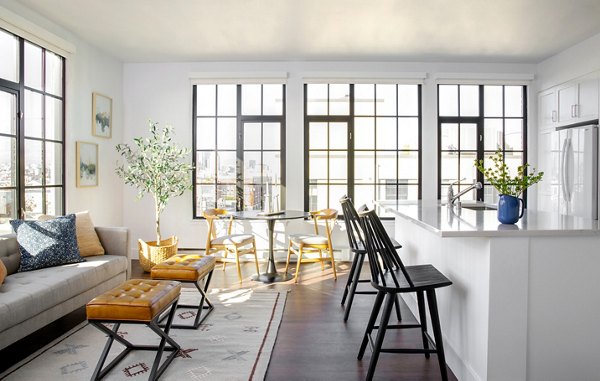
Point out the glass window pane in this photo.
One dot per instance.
(272, 167)
(317, 133)
(317, 197)
(386, 167)
(205, 100)
(9, 64)
(8, 113)
(513, 160)
(338, 136)
(449, 136)
(364, 195)
(387, 191)
(226, 197)
(468, 136)
(335, 193)
(226, 167)
(408, 133)
(408, 100)
(338, 167)
(54, 118)
(253, 197)
(408, 167)
(317, 167)
(364, 167)
(449, 167)
(469, 100)
(386, 133)
(34, 203)
(386, 100)
(513, 101)
(54, 201)
(8, 205)
(54, 169)
(33, 66)
(469, 196)
(205, 197)
(205, 133)
(448, 100)
(252, 135)
(492, 96)
(364, 133)
(364, 99)
(492, 136)
(226, 133)
(253, 168)
(8, 161)
(272, 99)
(251, 100)
(513, 129)
(316, 99)
(467, 168)
(54, 71)
(226, 100)
(271, 136)
(205, 167)
(339, 99)
(33, 114)
(33, 162)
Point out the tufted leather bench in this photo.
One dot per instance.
(189, 268)
(136, 301)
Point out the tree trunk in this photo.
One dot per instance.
(157, 226)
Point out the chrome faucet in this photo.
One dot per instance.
(452, 197)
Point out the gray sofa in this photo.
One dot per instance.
(30, 300)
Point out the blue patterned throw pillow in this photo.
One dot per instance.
(47, 243)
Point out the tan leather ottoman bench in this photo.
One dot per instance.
(136, 301)
(189, 268)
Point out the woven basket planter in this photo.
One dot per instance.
(150, 253)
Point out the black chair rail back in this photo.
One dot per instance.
(383, 257)
(351, 220)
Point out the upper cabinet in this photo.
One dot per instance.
(573, 102)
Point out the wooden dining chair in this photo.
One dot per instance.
(301, 244)
(391, 277)
(236, 244)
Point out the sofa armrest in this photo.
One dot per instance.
(115, 240)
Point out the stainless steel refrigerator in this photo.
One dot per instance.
(569, 159)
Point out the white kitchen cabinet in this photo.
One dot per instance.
(567, 99)
(547, 113)
(587, 108)
(577, 100)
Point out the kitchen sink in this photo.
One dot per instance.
(479, 206)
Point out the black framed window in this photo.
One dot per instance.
(474, 121)
(361, 140)
(32, 105)
(239, 145)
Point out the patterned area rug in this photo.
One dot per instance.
(234, 343)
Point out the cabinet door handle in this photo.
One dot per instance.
(576, 107)
(572, 113)
(553, 116)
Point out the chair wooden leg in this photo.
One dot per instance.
(358, 261)
(371, 323)
(385, 319)
(398, 313)
(437, 333)
(349, 280)
(255, 258)
(321, 257)
(332, 263)
(298, 265)
(225, 257)
(237, 262)
(287, 263)
(423, 320)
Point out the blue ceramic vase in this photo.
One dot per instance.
(510, 209)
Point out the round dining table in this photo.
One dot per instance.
(270, 275)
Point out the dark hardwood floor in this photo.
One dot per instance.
(313, 342)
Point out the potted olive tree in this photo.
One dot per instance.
(157, 166)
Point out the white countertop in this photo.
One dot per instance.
(439, 219)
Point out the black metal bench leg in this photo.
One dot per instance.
(371, 323)
(385, 319)
(355, 280)
(423, 321)
(157, 371)
(437, 332)
(350, 278)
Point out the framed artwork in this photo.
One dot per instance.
(101, 115)
(87, 164)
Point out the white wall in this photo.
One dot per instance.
(162, 92)
(87, 70)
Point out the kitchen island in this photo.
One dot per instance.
(525, 302)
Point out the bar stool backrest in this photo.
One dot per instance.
(384, 261)
(353, 229)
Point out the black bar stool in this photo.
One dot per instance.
(390, 277)
(357, 246)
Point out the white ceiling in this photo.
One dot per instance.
(526, 31)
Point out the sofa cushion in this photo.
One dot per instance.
(9, 253)
(2, 272)
(47, 243)
(26, 294)
(87, 239)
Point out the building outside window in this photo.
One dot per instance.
(239, 146)
(361, 140)
(474, 121)
(32, 107)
